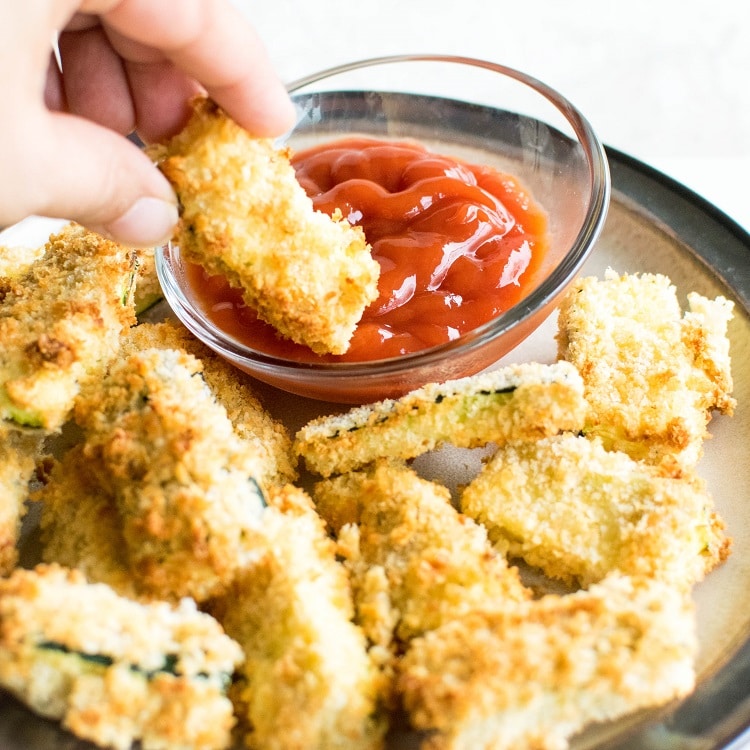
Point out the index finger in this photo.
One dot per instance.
(210, 41)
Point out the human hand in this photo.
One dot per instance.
(126, 65)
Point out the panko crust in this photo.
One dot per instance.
(535, 674)
(234, 390)
(185, 484)
(245, 216)
(518, 401)
(147, 286)
(307, 680)
(19, 454)
(579, 512)
(81, 526)
(60, 322)
(114, 671)
(652, 374)
(415, 561)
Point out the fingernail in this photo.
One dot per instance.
(148, 222)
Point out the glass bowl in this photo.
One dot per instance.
(474, 110)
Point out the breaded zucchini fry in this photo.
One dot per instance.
(147, 287)
(576, 511)
(185, 484)
(652, 375)
(307, 682)
(114, 671)
(80, 524)
(533, 675)
(59, 321)
(18, 457)
(520, 401)
(233, 390)
(245, 216)
(415, 562)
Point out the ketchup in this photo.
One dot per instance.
(457, 245)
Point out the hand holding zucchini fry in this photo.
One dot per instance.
(244, 215)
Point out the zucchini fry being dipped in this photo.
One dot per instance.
(59, 322)
(184, 483)
(520, 401)
(245, 216)
(112, 670)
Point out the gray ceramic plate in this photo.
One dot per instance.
(654, 225)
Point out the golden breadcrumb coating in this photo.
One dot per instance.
(415, 562)
(532, 675)
(19, 453)
(576, 511)
(652, 375)
(307, 682)
(185, 484)
(519, 401)
(245, 216)
(234, 390)
(114, 671)
(147, 287)
(59, 322)
(80, 524)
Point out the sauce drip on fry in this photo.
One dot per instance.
(457, 245)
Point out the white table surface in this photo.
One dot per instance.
(665, 81)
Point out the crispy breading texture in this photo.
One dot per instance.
(307, 681)
(114, 671)
(415, 562)
(233, 390)
(147, 287)
(184, 483)
(59, 322)
(80, 525)
(19, 452)
(519, 401)
(578, 512)
(245, 216)
(652, 375)
(533, 675)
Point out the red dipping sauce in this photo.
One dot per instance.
(457, 245)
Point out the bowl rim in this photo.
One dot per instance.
(539, 298)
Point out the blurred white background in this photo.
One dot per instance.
(665, 81)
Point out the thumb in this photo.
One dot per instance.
(92, 175)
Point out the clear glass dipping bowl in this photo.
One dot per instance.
(471, 109)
